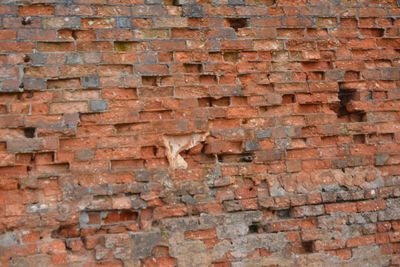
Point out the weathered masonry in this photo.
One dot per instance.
(221, 133)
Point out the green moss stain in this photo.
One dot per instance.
(122, 46)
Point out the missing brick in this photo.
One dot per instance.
(359, 139)
(237, 23)
(351, 75)
(29, 132)
(232, 158)
(342, 109)
(26, 21)
(63, 83)
(175, 2)
(118, 216)
(192, 68)
(27, 58)
(208, 79)
(246, 158)
(345, 96)
(288, 99)
(231, 57)
(214, 102)
(74, 35)
(123, 46)
(307, 246)
(283, 214)
(255, 228)
(149, 80)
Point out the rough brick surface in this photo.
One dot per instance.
(199, 133)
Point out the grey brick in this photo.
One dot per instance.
(193, 11)
(380, 159)
(236, 2)
(23, 145)
(147, 242)
(263, 133)
(34, 84)
(252, 145)
(90, 82)
(61, 22)
(8, 239)
(6, 88)
(74, 59)
(71, 120)
(85, 154)
(98, 105)
(124, 23)
(38, 59)
(153, 2)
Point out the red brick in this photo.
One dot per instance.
(165, 212)
(360, 241)
(36, 10)
(265, 80)
(340, 207)
(370, 205)
(8, 35)
(201, 234)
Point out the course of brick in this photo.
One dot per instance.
(222, 133)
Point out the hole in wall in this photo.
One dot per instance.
(26, 21)
(27, 58)
(283, 213)
(307, 246)
(254, 228)
(231, 57)
(345, 96)
(149, 80)
(192, 68)
(246, 158)
(359, 139)
(237, 23)
(288, 99)
(29, 132)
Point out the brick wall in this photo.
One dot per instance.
(221, 133)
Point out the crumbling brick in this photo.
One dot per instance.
(199, 133)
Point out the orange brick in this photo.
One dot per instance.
(360, 241)
(201, 234)
(371, 205)
(340, 207)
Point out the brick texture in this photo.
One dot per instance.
(199, 133)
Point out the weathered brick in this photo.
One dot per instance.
(282, 117)
(340, 207)
(307, 211)
(90, 82)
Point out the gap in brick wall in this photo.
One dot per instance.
(345, 96)
(308, 246)
(149, 80)
(255, 228)
(284, 213)
(237, 23)
(359, 139)
(29, 132)
(193, 68)
(341, 108)
(102, 106)
(288, 99)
